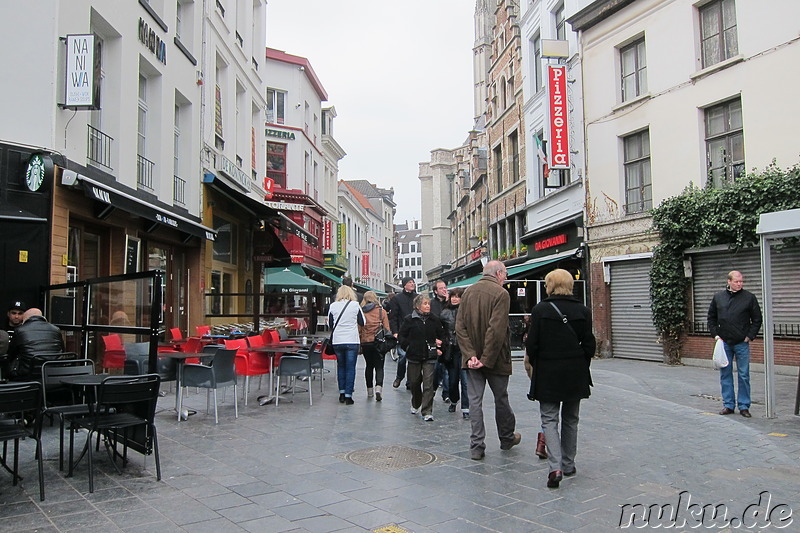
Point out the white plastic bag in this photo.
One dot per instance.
(720, 358)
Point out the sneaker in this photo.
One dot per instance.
(396, 383)
(476, 455)
(452, 408)
(415, 410)
(378, 397)
(517, 439)
(465, 415)
(395, 357)
(446, 400)
(428, 418)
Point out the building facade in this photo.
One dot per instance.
(408, 239)
(662, 113)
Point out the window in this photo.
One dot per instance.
(225, 243)
(276, 163)
(561, 28)
(634, 70)
(276, 106)
(176, 146)
(514, 141)
(638, 191)
(498, 167)
(178, 20)
(537, 63)
(725, 142)
(718, 32)
(141, 143)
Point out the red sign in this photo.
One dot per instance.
(364, 265)
(327, 230)
(269, 183)
(550, 242)
(476, 254)
(559, 121)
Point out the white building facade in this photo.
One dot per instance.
(675, 93)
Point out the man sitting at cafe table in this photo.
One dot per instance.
(34, 340)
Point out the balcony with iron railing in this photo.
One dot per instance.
(179, 191)
(144, 173)
(99, 147)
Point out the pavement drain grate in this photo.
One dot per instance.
(390, 458)
(391, 528)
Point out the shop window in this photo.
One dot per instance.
(225, 244)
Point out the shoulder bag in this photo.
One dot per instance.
(384, 340)
(327, 344)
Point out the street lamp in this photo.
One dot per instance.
(474, 241)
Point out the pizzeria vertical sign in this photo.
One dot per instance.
(559, 123)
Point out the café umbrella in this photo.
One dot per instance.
(287, 282)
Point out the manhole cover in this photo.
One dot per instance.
(390, 458)
(391, 528)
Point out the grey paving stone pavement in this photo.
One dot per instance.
(649, 435)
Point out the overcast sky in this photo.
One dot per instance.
(398, 73)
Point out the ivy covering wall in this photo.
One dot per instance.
(701, 217)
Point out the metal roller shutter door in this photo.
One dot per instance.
(709, 275)
(633, 334)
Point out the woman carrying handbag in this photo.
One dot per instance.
(376, 320)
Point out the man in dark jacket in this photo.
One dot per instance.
(483, 336)
(735, 317)
(400, 307)
(35, 338)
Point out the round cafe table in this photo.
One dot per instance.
(270, 350)
(180, 360)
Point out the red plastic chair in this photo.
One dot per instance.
(247, 363)
(176, 334)
(203, 330)
(193, 345)
(113, 351)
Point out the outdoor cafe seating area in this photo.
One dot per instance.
(86, 415)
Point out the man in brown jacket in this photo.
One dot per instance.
(483, 336)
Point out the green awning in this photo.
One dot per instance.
(287, 282)
(364, 288)
(512, 271)
(323, 272)
(294, 267)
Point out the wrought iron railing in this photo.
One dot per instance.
(179, 190)
(99, 148)
(144, 172)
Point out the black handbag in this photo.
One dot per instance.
(384, 340)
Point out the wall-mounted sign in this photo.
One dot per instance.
(286, 206)
(132, 245)
(82, 72)
(550, 242)
(341, 239)
(279, 134)
(327, 230)
(38, 172)
(149, 38)
(364, 264)
(269, 184)
(229, 168)
(559, 122)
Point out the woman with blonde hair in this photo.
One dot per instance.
(344, 318)
(376, 320)
(560, 347)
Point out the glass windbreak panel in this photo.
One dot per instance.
(121, 303)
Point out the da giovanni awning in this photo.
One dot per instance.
(284, 281)
(518, 270)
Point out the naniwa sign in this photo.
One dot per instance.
(559, 122)
(82, 72)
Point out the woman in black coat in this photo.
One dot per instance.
(421, 336)
(560, 353)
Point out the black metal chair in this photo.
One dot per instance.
(220, 373)
(318, 365)
(125, 411)
(58, 399)
(18, 401)
(293, 366)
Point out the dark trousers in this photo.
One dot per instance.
(375, 361)
(420, 379)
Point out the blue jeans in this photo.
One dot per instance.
(740, 352)
(346, 357)
(401, 363)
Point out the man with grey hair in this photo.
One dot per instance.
(483, 336)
